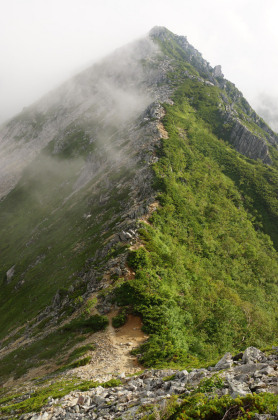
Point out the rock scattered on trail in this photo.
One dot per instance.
(255, 373)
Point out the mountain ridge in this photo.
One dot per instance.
(138, 203)
(239, 137)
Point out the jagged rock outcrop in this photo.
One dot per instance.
(249, 144)
(217, 71)
(252, 145)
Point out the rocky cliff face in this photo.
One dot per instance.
(245, 134)
(249, 144)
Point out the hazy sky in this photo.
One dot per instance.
(44, 42)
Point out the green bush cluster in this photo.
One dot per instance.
(92, 324)
(120, 319)
(210, 384)
(138, 258)
(200, 406)
(81, 362)
(71, 362)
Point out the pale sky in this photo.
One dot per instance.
(44, 42)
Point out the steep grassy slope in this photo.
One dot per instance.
(206, 279)
(61, 226)
(69, 215)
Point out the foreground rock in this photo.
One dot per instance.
(149, 393)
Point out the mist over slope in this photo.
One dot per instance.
(146, 185)
(268, 108)
(108, 95)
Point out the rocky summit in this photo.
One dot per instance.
(139, 238)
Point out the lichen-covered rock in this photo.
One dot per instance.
(225, 363)
(238, 389)
(253, 355)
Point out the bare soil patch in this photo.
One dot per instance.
(112, 354)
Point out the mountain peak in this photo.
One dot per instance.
(162, 33)
(159, 31)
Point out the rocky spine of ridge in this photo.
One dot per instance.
(252, 145)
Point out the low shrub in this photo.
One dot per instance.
(84, 325)
(200, 406)
(120, 319)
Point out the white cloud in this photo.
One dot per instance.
(42, 43)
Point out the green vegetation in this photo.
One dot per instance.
(201, 406)
(184, 61)
(257, 183)
(37, 353)
(75, 142)
(80, 351)
(120, 319)
(90, 304)
(50, 232)
(59, 342)
(210, 99)
(57, 390)
(47, 237)
(206, 278)
(84, 325)
(205, 100)
(210, 384)
(206, 273)
(81, 362)
(71, 362)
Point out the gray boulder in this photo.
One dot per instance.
(225, 363)
(249, 369)
(253, 355)
(238, 389)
